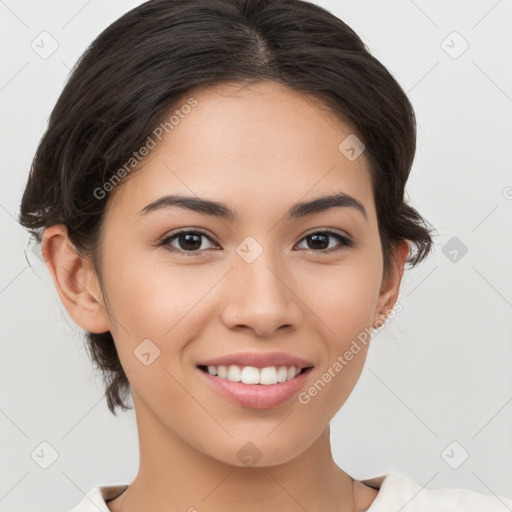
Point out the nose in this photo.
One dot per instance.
(261, 296)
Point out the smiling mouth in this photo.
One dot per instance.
(270, 375)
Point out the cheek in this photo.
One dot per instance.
(152, 296)
(138, 289)
(153, 307)
(344, 298)
(344, 301)
(350, 308)
(345, 309)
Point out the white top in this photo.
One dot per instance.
(396, 492)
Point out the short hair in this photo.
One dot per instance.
(137, 69)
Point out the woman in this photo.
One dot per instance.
(220, 200)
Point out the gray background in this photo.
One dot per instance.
(437, 384)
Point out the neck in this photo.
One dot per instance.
(176, 476)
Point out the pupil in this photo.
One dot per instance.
(187, 238)
(316, 238)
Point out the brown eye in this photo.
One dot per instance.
(190, 242)
(319, 241)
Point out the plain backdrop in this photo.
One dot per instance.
(435, 398)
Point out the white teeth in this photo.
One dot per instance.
(269, 375)
(234, 373)
(252, 375)
(282, 374)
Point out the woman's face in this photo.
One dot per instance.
(259, 283)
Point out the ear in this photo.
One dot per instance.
(390, 287)
(75, 281)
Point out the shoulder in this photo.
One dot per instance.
(397, 491)
(96, 499)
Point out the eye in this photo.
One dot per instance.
(190, 244)
(320, 238)
(189, 240)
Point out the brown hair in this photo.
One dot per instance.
(135, 71)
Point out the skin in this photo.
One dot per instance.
(259, 149)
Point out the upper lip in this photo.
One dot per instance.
(258, 360)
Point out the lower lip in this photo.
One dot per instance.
(257, 396)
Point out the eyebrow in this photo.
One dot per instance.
(222, 211)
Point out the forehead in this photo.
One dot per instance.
(250, 146)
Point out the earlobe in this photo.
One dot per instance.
(72, 277)
(390, 288)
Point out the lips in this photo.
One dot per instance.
(257, 396)
(258, 360)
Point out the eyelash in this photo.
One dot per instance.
(345, 242)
